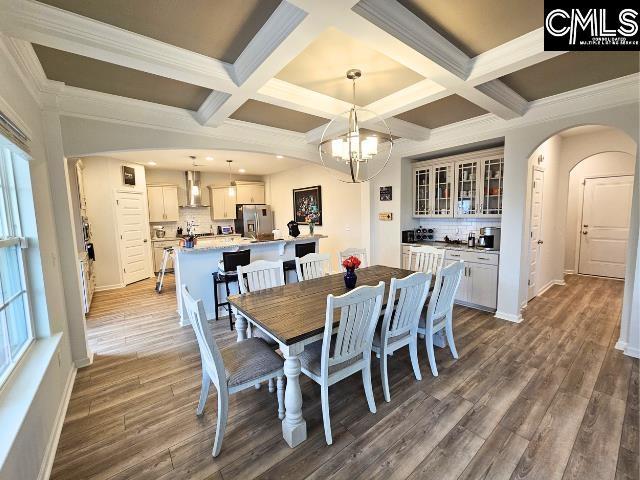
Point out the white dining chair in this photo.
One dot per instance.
(336, 357)
(312, 265)
(400, 323)
(426, 258)
(232, 369)
(439, 313)
(361, 253)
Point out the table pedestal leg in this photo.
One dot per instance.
(241, 327)
(294, 428)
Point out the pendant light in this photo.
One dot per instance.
(347, 145)
(232, 190)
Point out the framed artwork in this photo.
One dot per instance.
(385, 194)
(307, 205)
(128, 175)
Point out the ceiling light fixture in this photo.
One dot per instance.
(343, 141)
(151, 163)
(232, 190)
(208, 158)
(279, 156)
(241, 170)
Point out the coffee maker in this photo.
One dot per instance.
(489, 238)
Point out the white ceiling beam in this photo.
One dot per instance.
(52, 27)
(413, 96)
(399, 128)
(519, 53)
(288, 95)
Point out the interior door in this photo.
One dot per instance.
(134, 236)
(535, 228)
(606, 210)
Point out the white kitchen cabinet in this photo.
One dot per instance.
(163, 203)
(250, 193)
(463, 186)
(223, 204)
(479, 282)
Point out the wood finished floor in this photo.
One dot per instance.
(546, 399)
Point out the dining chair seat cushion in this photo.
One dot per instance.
(248, 360)
(422, 324)
(377, 341)
(310, 358)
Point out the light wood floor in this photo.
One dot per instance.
(547, 399)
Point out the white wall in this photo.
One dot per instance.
(341, 207)
(32, 405)
(103, 176)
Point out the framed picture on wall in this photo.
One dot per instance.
(385, 194)
(307, 205)
(128, 175)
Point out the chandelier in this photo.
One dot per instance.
(348, 145)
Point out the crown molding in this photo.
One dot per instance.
(505, 96)
(50, 26)
(516, 54)
(211, 105)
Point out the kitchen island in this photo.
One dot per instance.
(194, 267)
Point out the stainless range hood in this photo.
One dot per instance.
(194, 189)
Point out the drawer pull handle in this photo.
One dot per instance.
(454, 255)
(483, 258)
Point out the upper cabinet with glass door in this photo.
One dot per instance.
(466, 185)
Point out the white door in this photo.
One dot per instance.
(134, 236)
(606, 209)
(535, 231)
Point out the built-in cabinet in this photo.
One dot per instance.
(250, 193)
(158, 252)
(479, 284)
(163, 203)
(223, 203)
(467, 185)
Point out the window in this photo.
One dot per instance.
(16, 331)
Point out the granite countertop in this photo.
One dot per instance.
(165, 239)
(453, 246)
(243, 242)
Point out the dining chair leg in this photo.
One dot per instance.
(326, 419)
(204, 392)
(384, 377)
(366, 380)
(271, 386)
(280, 383)
(431, 354)
(413, 353)
(449, 332)
(221, 425)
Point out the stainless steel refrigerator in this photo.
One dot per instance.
(254, 221)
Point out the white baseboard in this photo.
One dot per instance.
(569, 272)
(549, 285)
(632, 352)
(52, 444)
(86, 361)
(509, 317)
(620, 345)
(109, 287)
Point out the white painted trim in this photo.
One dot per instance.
(632, 352)
(287, 95)
(54, 438)
(86, 361)
(550, 284)
(569, 272)
(621, 345)
(115, 286)
(509, 317)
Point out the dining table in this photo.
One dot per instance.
(294, 316)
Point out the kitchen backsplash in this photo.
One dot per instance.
(202, 217)
(456, 228)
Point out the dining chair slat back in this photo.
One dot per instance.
(312, 265)
(426, 259)
(209, 352)
(411, 293)
(444, 291)
(361, 253)
(260, 275)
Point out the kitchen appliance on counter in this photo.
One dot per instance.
(255, 221)
(489, 238)
(294, 229)
(408, 236)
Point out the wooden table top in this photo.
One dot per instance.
(297, 311)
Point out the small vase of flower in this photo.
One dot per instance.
(350, 264)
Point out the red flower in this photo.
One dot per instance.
(351, 262)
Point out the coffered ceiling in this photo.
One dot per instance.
(322, 66)
(216, 28)
(570, 71)
(476, 26)
(88, 73)
(426, 63)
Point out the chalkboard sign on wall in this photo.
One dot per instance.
(128, 175)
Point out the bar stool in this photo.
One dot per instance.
(230, 263)
(301, 250)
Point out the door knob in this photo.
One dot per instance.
(584, 232)
(540, 242)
